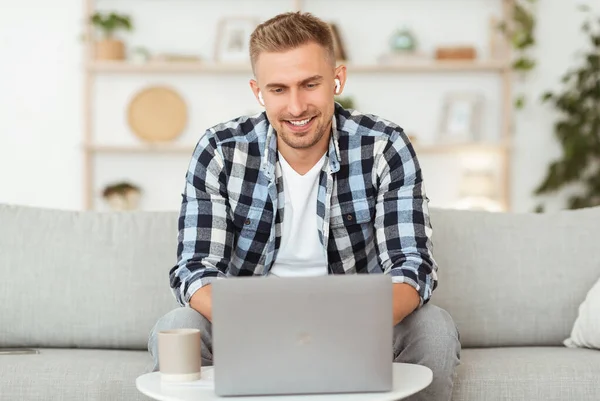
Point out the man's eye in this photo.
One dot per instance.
(311, 85)
(278, 90)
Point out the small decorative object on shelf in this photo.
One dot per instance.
(233, 39)
(403, 41)
(403, 48)
(140, 55)
(338, 44)
(157, 114)
(110, 47)
(122, 196)
(455, 53)
(460, 118)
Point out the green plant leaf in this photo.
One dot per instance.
(546, 96)
(585, 28)
(579, 202)
(566, 77)
(594, 61)
(108, 23)
(520, 102)
(583, 7)
(524, 64)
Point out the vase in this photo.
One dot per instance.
(110, 49)
(403, 41)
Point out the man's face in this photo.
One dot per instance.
(298, 90)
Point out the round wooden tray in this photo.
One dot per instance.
(157, 114)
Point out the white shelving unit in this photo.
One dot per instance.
(94, 69)
(212, 68)
(421, 149)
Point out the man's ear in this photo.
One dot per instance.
(340, 75)
(256, 91)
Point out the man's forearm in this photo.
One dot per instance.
(405, 299)
(201, 301)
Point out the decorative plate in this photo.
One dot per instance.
(157, 114)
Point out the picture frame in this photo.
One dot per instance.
(461, 118)
(233, 39)
(338, 45)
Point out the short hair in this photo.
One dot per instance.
(288, 31)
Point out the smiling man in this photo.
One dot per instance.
(309, 188)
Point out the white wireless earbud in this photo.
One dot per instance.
(260, 98)
(337, 86)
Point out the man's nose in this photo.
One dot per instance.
(296, 105)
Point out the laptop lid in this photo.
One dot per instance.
(302, 335)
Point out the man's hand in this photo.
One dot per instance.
(405, 299)
(201, 301)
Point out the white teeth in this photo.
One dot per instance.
(300, 123)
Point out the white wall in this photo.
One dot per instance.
(41, 88)
(40, 103)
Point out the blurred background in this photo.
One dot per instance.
(102, 101)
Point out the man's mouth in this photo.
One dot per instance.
(299, 124)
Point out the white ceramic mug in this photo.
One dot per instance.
(179, 355)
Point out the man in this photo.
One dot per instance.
(309, 188)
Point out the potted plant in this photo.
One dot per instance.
(109, 47)
(122, 196)
(577, 127)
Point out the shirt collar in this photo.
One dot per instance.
(269, 157)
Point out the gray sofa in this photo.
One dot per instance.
(86, 288)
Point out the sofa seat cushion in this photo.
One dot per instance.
(73, 374)
(528, 373)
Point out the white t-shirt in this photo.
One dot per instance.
(300, 252)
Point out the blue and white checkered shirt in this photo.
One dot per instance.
(372, 211)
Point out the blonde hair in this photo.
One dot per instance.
(288, 31)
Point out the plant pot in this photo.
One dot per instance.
(128, 200)
(110, 49)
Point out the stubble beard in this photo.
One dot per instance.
(290, 139)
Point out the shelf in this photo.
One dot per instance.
(143, 148)
(387, 67)
(431, 66)
(166, 67)
(427, 66)
(188, 149)
(460, 148)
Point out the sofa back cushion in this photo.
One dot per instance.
(100, 280)
(83, 279)
(515, 279)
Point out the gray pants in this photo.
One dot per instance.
(426, 337)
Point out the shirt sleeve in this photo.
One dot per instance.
(403, 228)
(205, 231)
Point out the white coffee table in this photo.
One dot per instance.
(408, 379)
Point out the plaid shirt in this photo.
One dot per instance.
(371, 211)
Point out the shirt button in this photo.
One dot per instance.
(349, 217)
(247, 222)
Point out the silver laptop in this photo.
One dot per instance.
(302, 335)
